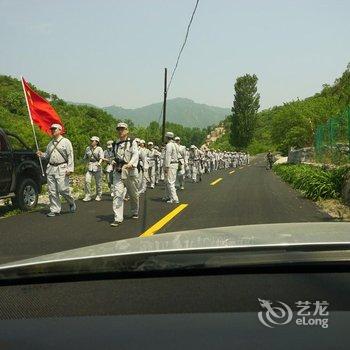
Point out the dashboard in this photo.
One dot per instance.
(220, 310)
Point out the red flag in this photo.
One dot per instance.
(41, 112)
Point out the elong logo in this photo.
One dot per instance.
(278, 313)
(274, 315)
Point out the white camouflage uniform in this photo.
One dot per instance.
(143, 174)
(194, 164)
(108, 154)
(126, 179)
(94, 169)
(59, 154)
(152, 157)
(182, 165)
(171, 164)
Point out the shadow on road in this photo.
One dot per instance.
(46, 210)
(107, 197)
(260, 166)
(156, 199)
(106, 218)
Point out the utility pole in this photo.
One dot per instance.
(164, 103)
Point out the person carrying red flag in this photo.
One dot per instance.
(59, 152)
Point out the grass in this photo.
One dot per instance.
(314, 182)
(8, 210)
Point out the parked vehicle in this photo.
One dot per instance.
(21, 178)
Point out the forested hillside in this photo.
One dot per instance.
(294, 123)
(81, 121)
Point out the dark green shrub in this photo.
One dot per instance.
(313, 182)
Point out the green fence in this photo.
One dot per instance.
(332, 139)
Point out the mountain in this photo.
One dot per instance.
(179, 110)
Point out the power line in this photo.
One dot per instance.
(183, 45)
(180, 52)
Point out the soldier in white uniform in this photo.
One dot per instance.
(206, 161)
(170, 168)
(158, 161)
(152, 157)
(94, 156)
(212, 160)
(216, 166)
(187, 162)
(108, 157)
(143, 168)
(59, 154)
(182, 163)
(194, 163)
(201, 163)
(161, 163)
(126, 158)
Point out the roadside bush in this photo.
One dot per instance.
(313, 182)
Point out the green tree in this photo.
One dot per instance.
(244, 111)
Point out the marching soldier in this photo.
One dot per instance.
(187, 162)
(158, 163)
(216, 164)
(220, 160)
(182, 163)
(206, 161)
(59, 154)
(94, 155)
(108, 157)
(152, 158)
(211, 160)
(126, 158)
(143, 161)
(201, 166)
(269, 159)
(194, 162)
(234, 160)
(170, 168)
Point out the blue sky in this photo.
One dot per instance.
(114, 52)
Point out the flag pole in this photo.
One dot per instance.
(31, 122)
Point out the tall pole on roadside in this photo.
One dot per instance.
(164, 103)
(31, 122)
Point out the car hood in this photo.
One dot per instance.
(231, 237)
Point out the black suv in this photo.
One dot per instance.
(21, 178)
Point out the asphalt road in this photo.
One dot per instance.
(250, 195)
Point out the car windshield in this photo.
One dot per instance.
(178, 124)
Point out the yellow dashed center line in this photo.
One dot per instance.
(162, 222)
(216, 181)
(231, 172)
